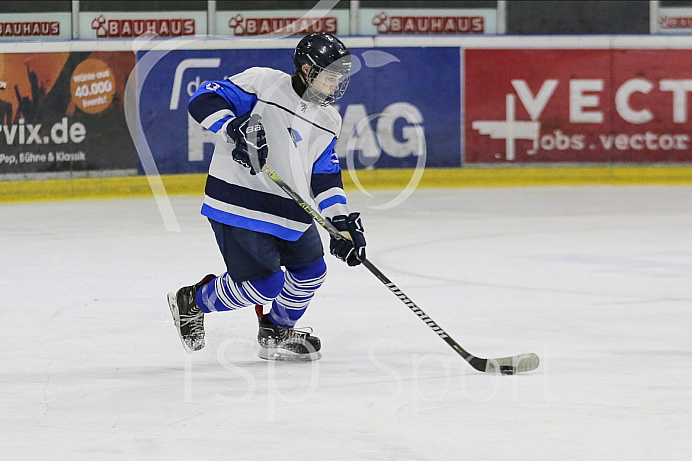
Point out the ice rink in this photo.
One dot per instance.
(596, 280)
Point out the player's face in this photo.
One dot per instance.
(327, 82)
(326, 86)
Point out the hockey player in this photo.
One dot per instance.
(263, 115)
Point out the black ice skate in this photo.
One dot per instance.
(188, 317)
(279, 343)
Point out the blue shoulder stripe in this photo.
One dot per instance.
(218, 95)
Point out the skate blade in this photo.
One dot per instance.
(284, 355)
(173, 305)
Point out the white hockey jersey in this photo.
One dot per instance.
(300, 139)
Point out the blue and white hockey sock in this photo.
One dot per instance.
(299, 287)
(223, 294)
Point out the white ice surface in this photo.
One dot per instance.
(596, 280)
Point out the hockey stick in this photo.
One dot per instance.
(504, 365)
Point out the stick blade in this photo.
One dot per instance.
(511, 365)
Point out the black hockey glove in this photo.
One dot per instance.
(351, 251)
(250, 141)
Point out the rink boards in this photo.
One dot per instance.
(87, 119)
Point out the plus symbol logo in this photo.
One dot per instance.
(511, 129)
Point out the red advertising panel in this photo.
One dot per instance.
(557, 106)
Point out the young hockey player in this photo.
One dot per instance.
(263, 115)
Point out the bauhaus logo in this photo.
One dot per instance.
(113, 28)
(241, 25)
(29, 28)
(396, 24)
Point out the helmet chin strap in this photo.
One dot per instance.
(298, 83)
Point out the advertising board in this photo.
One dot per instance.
(417, 21)
(577, 105)
(395, 115)
(35, 26)
(281, 22)
(163, 24)
(676, 20)
(63, 112)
